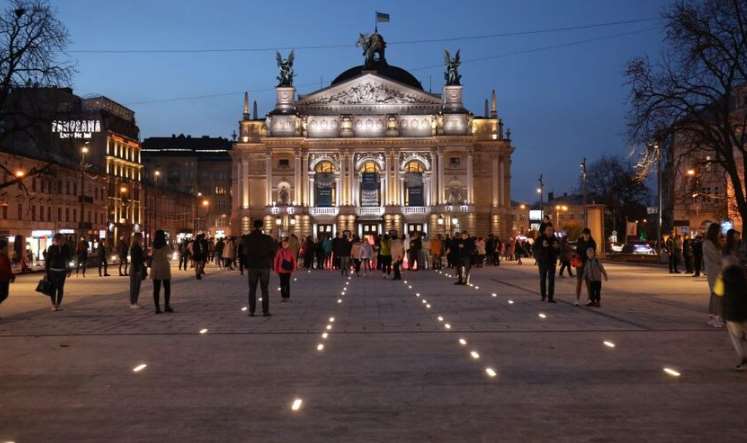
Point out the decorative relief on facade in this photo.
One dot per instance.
(423, 157)
(366, 93)
(360, 157)
(314, 159)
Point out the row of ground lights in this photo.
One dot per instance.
(607, 343)
(297, 402)
(474, 355)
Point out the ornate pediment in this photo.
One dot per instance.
(371, 93)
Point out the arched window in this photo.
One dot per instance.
(324, 184)
(414, 183)
(369, 186)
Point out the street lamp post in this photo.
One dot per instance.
(83, 153)
(583, 187)
(541, 192)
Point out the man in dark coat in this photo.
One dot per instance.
(260, 252)
(546, 251)
(465, 248)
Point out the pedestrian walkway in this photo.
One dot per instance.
(389, 368)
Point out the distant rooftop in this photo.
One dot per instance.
(186, 143)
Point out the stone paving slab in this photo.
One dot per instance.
(390, 371)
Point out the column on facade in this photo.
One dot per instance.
(339, 190)
(305, 201)
(351, 180)
(427, 189)
(495, 180)
(268, 181)
(397, 185)
(297, 179)
(244, 180)
(501, 178)
(470, 181)
(440, 184)
(311, 191)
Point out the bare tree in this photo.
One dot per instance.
(32, 41)
(613, 182)
(691, 97)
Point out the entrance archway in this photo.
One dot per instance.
(370, 184)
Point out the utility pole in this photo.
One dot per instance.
(659, 196)
(583, 188)
(541, 192)
(81, 227)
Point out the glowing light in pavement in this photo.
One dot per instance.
(541, 315)
(244, 309)
(609, 344)
(329, 327)
(447, 326)
(409, 287)
(331, 319)
(427, 306)
(139, 367)
(494, 294)
(278, 289)
(440, 318)
(425, 301)
(477, 287)
(463, 342)
(672, 372)
(417, 294)
(295, 279)
(510, 302)
(491, 372)
(203, 331)
(474, 355)
(296, 405)
(325, 335)
(320, 347)
(339, 300)
(405, 282)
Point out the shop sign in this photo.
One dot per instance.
(41, 233)
(76, 128)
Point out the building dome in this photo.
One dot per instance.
(383, 69)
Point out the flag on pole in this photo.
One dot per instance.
(382, 17)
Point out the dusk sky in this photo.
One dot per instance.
(561, 104)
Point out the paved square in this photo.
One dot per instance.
(390, 369)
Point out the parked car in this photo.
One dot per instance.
(638, 248)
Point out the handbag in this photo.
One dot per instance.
(286, 265)
(44, 287)
(576, 261)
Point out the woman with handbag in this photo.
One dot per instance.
(57, 266)
(285, 265)
(160, 271)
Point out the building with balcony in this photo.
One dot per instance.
(371, 153)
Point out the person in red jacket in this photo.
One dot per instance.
(285, 265)
(6, 273)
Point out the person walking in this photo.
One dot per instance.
(734, 306)
(101, 259)
(687, 254)
(228, 253)
(366, 256)
(565, 257)
(82, 257)
(309, 251)
(593, 272)
(397, 251)
(122, 249)
(712, 263)
(260, 250)
(241, 252)
(465, 250)
(414, 249)
(345, 249)
(6, 272)
(546, 250)
(582, 246)
(183, 255)
(697, 255)
(285, 265)
(385, 252)
(200, 253)
(355, 255)
(57, 267)
(327, 247)
(160, 272)
(137, 269)
(481, 251)
(672, 246)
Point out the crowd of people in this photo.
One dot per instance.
(721, 257)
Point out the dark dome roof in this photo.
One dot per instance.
(383, 69)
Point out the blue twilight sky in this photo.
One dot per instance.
(562, 104)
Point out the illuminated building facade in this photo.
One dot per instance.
(371, 153)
